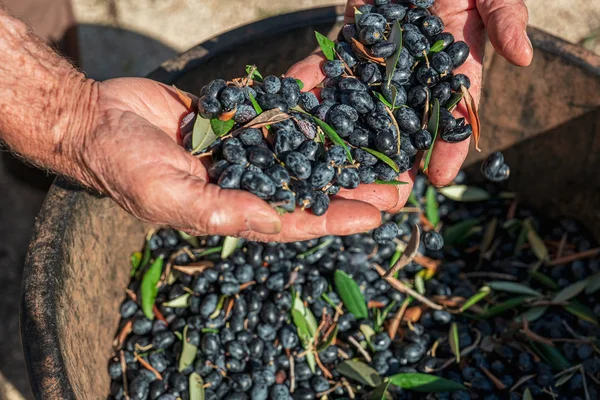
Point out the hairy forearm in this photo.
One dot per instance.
(44, 102)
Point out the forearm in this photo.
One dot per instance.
(45, 103)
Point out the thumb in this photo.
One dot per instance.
(506, 23)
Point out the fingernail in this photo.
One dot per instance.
(528, 40)
(266, 223)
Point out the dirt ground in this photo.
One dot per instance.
(112, 32)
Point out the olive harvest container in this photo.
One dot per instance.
(546, 119)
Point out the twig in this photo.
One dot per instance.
(402, 288)
(409, 252)
(574, 257)
(159, 315)
(131, 294)
(496, 381)
(561, 245)
(292, 377)
(463, 353)
(343, 354)
(395, 322)
(328, 391)
(122, 335)
(427, 262)
(512, 210)
(521, 382)
(362, 351)
(320, 364)
(348, 388)
(585, 388)
(146, 365)
(229, 307)
(493, 275)
(534, 336)
(124, 373)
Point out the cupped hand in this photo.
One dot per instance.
(132, 153)
(468, 20)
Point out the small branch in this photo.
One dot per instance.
(574, 257)
(326, 372)
(402, 288)
(124, 373)
(292, 377)
(122, 335)
(348, 388)
(492, 377)
(362, 351)
(146, 365)
(330, 390)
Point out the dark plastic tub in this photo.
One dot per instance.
(546, 119)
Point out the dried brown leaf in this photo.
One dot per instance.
(412, 314)
(184, 97)
(227, 115)
(195, 267)
(267, 118)
(363, 52)
(409, 253)
(473, 115)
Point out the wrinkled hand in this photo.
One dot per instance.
(131, 152)
(505, 22)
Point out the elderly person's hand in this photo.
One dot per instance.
(505, 22)
(120, 137)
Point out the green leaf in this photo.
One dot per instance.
(513, 287)
(136, 261)
(179, 302)
(551, 355)
(327, 46)
(229, 246)
(368, 332)
(332, 336)
(391, 62)
(488, 235)
(178, 335)
(593, 284)
(413, 200)
(359, 372)
(193, 240)
(527, 394)
(305, 318)
(221, 128)
(217, 311)
(581, 311)
(350, 294)
(300, 84)
(188, 351)
(196, 387)
(570, 291)
(521, 239)
(210, 251)
(209, 330)
(532, 314)
(255, 104)
(148, 289)
(382, 99)
(454, 341)
(432, 127)
(395, 257)
(537, 244)
(419, 284)
(544, 280)
(202, 135)
(381, 392)
(437, 47)
(322, 245)
(311, 361)
(431, 206)
(252, 71)
(424, 383)
(383, 158)
(464, 193)
(503, 307)
(334, 137)
(457, 233)
(396, 183)
(454, 100)
(476, 298)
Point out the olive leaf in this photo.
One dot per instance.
(476, 298)
(537, 244)
(413, 200)
(459, 232)
(178, 302)
(229, 246)
(504, 306)
(219, 307)
(551, 355)
(324, 244)
(195, 267)
(383, 158)
(473, 115)
(193, 240)
(196, 387)
(221, 128)
(380, 182)
(409, 253)
(432, 127)
(202, 135)
(304, 319)
(209, 330)
(521, 239)
(380, 392)
(148, 289)
(300, 83)
(357, 14)
(454, 100)
(255, 104)
(311, 361)
(527, 394)
(464, 193)
(570, 291)
(334, 137)
(437, 47)
(431, 206)
(454, 341)
(359, 372)
(368, 333)
(488, 235)
(267, 118)
(544, 280)
(136, 262)
(330, 339)
(425, 383)
(419, 284)
(513, 287)
(188, 351)
(253, 73)
(350, 294)
(382, 98)
(391, 62)
(395, 257)
(581, 312)
(361, 51)
(210, 251)
(593, 284)
(532, 314)
(327, 46)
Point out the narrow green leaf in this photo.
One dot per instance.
(432, 127)
(311, 361)
(188, 351)
(178, 335)
(381, 392)
(521, 239)
(221, 128)
(454, 100)
(383, 158)
(179, 302)
(300, 84)
(391, 62)
(202, 134)
(229, 246)
(551, 355)
(327, 46)
(537, 244)
(334, 137)
(437, 47)
(593, 284)
(255, 104)
(413, 200)
(196, 387)
(217, 311)
(527, 394)
(489, 235)
(431, 206)
(454, 341)
(253, 72)
(457, 233)
(382, 99)
(307, 316)
(136, 261)
(209, 330)
(395, 183)
(328, 300)
(193, 240)
(570, 291)
(503, 307)
(513, 287)
(324, 244)
(328, 342)
(464, 193)
(544, 280)
(359, 372)
(424, 383)
(301, 325)
(419, 284)
(532, 314)
(148, 289)
(210, 251)
(581, 311)
(565, 378)
(476, 298)
(350, 294)
(395, 257)
(368, 332)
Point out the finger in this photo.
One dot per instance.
(506, 23)
(308, 71)
(344, 217)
